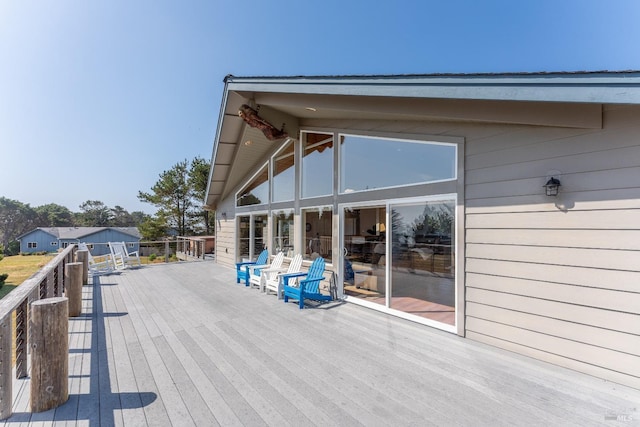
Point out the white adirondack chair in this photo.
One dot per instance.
(256, 272)
(273, 282)
(100, 264)
(121, 257)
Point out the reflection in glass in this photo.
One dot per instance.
(283, 174)
(257, 191)
(259, 233)
(317, 164)
(318, 226)
(368, 163)
(283, 232)
(244, 235)
(423, 251)
(365, 253)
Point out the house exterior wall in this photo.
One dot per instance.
(225, 240)
(551, 278)
(45, 242)
(101, 238)
(557, 279)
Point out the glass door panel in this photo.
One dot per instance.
(244, 237)
(317, 233)
(259, 233)
(422, 270)
(365, 253)
(283, 233)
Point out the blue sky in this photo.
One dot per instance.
(97, 98)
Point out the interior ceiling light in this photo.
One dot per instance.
(310, 109)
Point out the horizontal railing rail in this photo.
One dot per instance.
(195, 247)
(48, 282)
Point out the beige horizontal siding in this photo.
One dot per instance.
(557, 278)
(622, 219)
(577, 257)
(627, 198)
(592, 141)
(605, 160)
(570, 275)
(628, 302)
(601, 239)
(609, 339)
(606, 319)
(225, 243)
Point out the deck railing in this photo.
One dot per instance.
(14, 321)
(194, 247)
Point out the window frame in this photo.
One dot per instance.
(302, 141)
(248, 181)
(272, 169)
(292, 230)
(303, 232)
(402, 138)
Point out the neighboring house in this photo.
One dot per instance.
(425, 194)
(50, 239)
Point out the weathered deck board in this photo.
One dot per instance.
(182, 344)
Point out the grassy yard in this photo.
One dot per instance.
(20, 268)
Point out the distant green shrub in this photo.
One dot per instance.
(3, 277)
(34, 253)
(152, 257)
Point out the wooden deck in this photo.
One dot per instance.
(182, 344)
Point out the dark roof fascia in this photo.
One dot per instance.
(620, 87)
(223, 107)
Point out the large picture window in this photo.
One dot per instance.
(283, 186)
(368, 163)
(256, 191)
(317, 164)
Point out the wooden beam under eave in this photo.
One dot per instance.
(559, 114)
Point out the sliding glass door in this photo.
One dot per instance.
(251, 235)
(422, 268)
(401, 256)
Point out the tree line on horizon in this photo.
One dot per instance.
(178, 196)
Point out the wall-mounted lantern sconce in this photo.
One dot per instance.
(552, 186)
(224, 215)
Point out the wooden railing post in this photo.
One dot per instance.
(6, 380)
(18, 302)
(49, 353)
(73, 276)
(50, 283)
(83, 257)
(166, 251)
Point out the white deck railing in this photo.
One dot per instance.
(14, 321)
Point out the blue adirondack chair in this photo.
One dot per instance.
(242, 272)
(309, 287)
